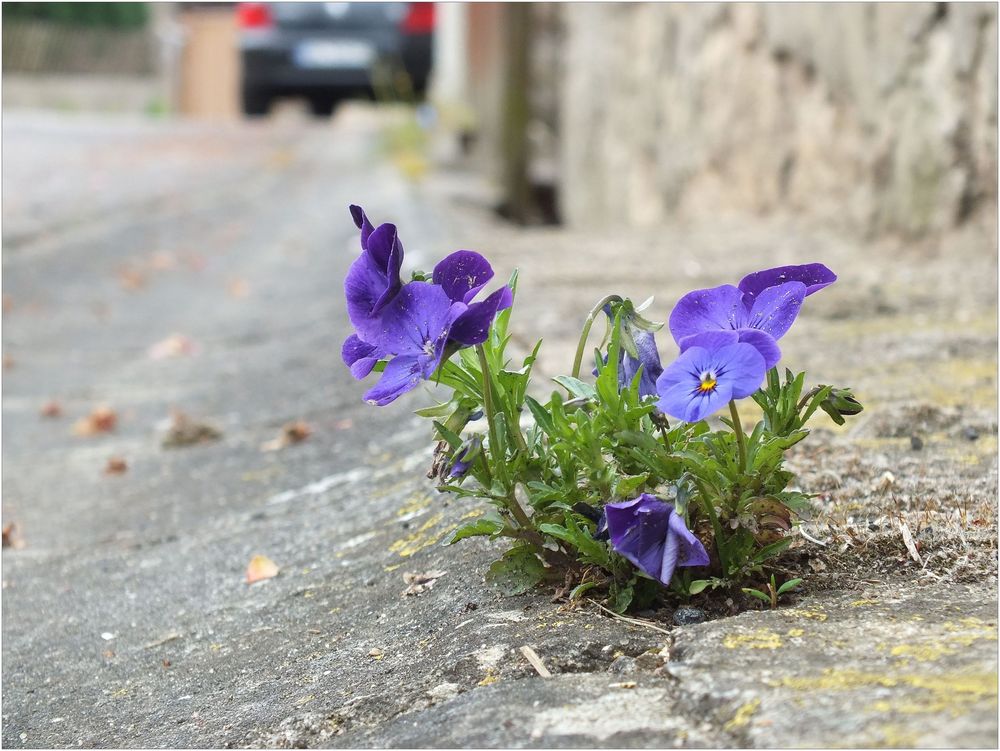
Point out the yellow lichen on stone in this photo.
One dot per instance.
(476, 512)
(794, 632)
(760, 639)
(815, 614)
(414, 505)
(741, 718)
(490, 678)
(862, 603)
(424, 537)
(921, 652)
(970, 630)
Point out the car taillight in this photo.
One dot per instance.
(419, 19)
(253, 16)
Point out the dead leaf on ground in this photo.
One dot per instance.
(131, 279)
(420, 583)
(291, 433)
(101, 420)
(238, 288)
(185, 431)
(162, 260)
(261, 567)
(911, 546)
(115, 466)
(51, 408)
(11, 538)
(175, 345)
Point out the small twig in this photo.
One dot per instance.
(633, 621)
(811, 538)
(536, 662)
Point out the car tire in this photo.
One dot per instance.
(256, 101)
(323, 105)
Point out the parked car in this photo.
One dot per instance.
(327, 51)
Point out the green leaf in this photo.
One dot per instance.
(758, 594)
(772, 550)
(542, 418)
(789, 586)
(578, 590)
(577, 388)
(485, 527)
(621, 598)
(517, 572)
(698, 585)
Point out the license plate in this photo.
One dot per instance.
(334, 54)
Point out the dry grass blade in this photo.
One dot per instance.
(633, 621)
(911, 546)
(536, 662)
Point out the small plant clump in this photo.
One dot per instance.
(617, 483)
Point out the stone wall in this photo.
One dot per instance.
(882, 116)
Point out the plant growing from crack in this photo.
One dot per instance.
(616, 485)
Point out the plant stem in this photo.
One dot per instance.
(578, 360)
(490, 409)
(741, 439)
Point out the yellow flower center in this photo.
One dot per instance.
(708, 381)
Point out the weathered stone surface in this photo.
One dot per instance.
(882, 116)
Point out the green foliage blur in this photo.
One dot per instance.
(92, 15)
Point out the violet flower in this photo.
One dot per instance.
(465, 456)
(653, 536)
(760, 310)
(415, 328)
(648, 360)
(417, 325)
(715, 368)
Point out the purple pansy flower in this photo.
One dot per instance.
(653, 536)
(715, 368)
(415, 328)
(418, 324)
(760, 310)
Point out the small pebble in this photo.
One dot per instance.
(916, 442)
(622, 665)
(969, 433)
(687, 616)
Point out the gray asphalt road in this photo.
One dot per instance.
(115, 237)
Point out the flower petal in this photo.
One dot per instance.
(764, 343)
(362, 223)
(473, 326)
(707, 310)
(364, 288)
(386, 250)
(740, 368)
(702, 405)
(462, 274)
(709, 340)
(775, 308)
(401, 374)
(692, 552)
(815, 276)
(418, 321)
(359, 356)
(638, 531)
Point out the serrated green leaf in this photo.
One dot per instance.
(577, 388)
(480, 528)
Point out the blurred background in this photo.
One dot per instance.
(882, 116)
